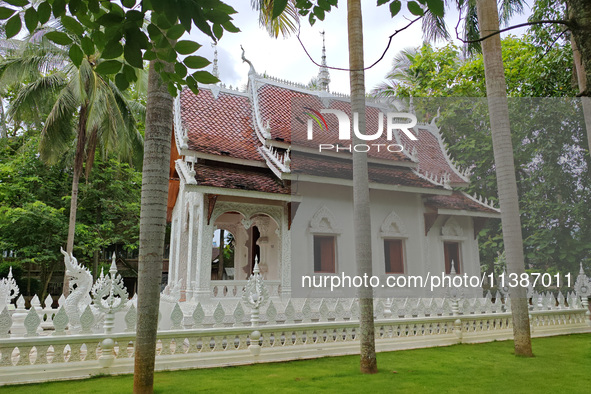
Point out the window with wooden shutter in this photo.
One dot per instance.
(394, 256)
(452, 253)
(324, 254)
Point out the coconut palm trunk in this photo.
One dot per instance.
(78, 164)
(361, 210)
(496, 91)
(152, 226)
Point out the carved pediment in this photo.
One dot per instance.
(393, 226)
(324, 221)
(452, 228)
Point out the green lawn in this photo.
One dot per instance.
(562, 365)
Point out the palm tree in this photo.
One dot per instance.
(152, 225)
(287, 22)
(496, 91)
(361, 211)
(86, 109)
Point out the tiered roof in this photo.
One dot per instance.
(256, 141)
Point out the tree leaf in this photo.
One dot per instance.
(128, 4)
(436, 7)
(172, 89)
(44, 12)
(6, 13)
(415, 8)
(186, 47)
(149, 55)
(217, 31)
(59, 8)
(87, 45)
(180, 70)
(278, 8)
(72, 25)
(382, 2)
(31, 19)
(205, 77)
(395, 7)
(121, 81)
(229, 26)
(17, 3)
(130, 73)
(175, 32)
(195, 62)
(108, 67)
(319, 13)
(110, 19)
(112, 50)
(59, 38)
(133, 54)
(13, 26)
(76, 55)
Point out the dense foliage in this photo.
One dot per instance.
(549, 139)
(34, 201)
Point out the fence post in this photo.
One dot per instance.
(255, 295)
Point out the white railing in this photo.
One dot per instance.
(74, 356)
(80, 339)
(234, 288)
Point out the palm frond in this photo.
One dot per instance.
(509, 8)
(59, 126)
(32, 100)
(285, 24)
(434, 27)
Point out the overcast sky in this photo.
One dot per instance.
(286, 59)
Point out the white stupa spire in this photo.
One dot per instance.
(323, 75)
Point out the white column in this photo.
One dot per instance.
(202, 291)
(192, 249)
(285, 269)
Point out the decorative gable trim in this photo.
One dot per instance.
(393, 227)
(452, 228)
(324, 222)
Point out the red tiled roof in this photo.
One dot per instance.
(457, 201)
(431, 158)
(221, 126)
(306, 164)
(284, 109)
(238, 177)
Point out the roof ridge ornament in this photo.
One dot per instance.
(323, 74)
(215, 71)
(244, 59)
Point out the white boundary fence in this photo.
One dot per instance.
(43, 344)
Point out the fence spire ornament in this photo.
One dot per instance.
(109, 296)
(583, 290)
(255, 296)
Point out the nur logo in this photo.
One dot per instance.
(394, 121)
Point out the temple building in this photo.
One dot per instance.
(242, 165)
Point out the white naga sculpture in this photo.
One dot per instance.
(171, 293)
(80, 285)
(8, 290)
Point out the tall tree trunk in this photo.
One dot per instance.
(496, 90)
(78, 164)
(580, 13)
(362, 223)
(152, 226)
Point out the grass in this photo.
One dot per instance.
(561, 365)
